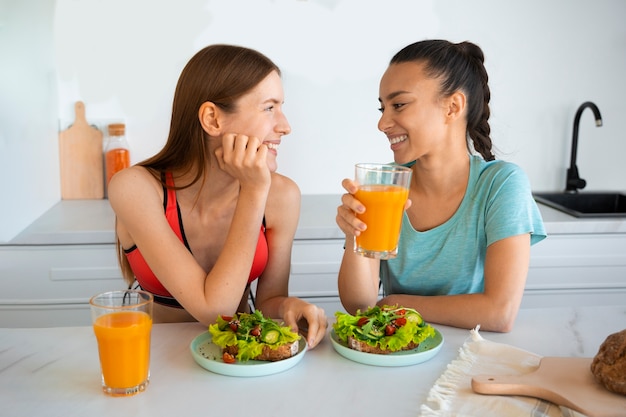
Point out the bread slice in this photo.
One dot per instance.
(361, 346)
(278, 354)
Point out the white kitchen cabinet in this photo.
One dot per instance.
(577, 269)
(314, 269)
(565, 270)
(48, 273)
(50, 285)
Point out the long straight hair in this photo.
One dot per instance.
(220, 74)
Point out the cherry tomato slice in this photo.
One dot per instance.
(228, 358)
(362, 321)
(389, 330)
(399, 322)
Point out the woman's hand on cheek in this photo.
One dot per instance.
(244, 158)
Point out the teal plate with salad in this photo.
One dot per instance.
(208, 355)
(425, 351)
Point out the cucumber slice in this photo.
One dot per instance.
(377, 333)
(271, 336)
(374, 334)
(414, 318)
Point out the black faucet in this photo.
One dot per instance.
(574, 182)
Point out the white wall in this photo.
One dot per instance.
(29, 162)
(123, 58)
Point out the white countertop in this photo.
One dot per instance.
(92, 222)
(55, 372)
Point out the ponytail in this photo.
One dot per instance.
(460, 67)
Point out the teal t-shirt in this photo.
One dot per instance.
(450, 258)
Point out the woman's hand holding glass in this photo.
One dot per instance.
(346, 218)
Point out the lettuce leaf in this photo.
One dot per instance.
(248, 349)
(222, 338)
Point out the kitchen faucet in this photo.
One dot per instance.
(574, 182)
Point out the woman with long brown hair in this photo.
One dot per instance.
(208, 215)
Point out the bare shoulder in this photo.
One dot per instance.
(283, 203)
(284, 191)
(132, 185)
(136, 197)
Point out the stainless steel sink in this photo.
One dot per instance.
(588, 204)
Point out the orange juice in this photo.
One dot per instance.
(383, 216)
(124, 348)
(116, 160)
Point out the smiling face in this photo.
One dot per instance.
(259, 113)
(413, 112)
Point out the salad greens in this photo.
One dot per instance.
(388, 327)
(250, 332)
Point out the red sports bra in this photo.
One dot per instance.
(144, 275)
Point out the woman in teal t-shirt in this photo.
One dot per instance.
(465, 243)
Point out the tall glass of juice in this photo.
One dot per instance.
(122, 323)
(383, 190)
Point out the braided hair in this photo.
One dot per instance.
(460, 67)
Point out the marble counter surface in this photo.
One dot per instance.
(92, 221)
(55, 372)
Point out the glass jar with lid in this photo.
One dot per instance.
(116, 152)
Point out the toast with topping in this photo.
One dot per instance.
(251, 336)
(382, 330)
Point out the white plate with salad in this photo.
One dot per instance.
(381, 329)
(208, 355)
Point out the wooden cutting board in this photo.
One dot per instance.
(80, 154)
(563, 381)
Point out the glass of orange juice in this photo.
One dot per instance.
(122, 322)
(383, 190)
